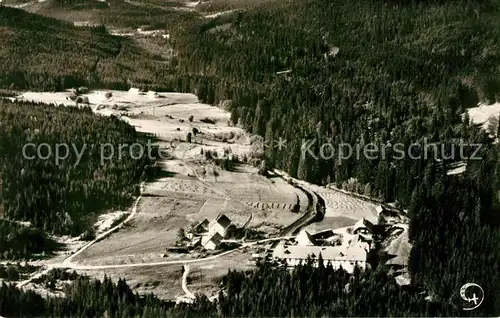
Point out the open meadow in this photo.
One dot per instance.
(191, 187)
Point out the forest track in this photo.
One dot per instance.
(68, 260)
(307, 217)
(110, 231)
(70, 265)
(184, 282)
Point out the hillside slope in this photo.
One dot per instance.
(47, 54)
(377, 73)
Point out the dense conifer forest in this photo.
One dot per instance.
(366, 71)
(18, 241)
(58, 197)
(374, 72)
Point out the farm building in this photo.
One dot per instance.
(305, 239)
(213, 242)
(360, 240)
(338, 257)
(363, 226)
(219, 225)
(202, 226)
(323, 235)
(210, 234)
(327, 237)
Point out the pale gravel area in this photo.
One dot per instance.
(482, 113)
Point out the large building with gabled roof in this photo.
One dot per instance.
(213, 241)
(219, 225)
(363, 226)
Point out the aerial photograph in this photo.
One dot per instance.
(249, 158)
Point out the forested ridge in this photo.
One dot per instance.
(373, 72)
(42, 53)
(58, 197)
(264, 292)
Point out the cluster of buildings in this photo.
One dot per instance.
(334, 248)
(210, 234)
(349, 247)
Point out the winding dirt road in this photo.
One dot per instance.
(70, 264)
(132, 214)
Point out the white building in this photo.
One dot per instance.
(337, 256)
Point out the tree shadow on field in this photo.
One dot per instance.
(144, 137)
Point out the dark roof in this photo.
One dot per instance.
(203, 224)
(363, 223)
(368, 224)
(311, 238)
(216, 238)
(223, 220)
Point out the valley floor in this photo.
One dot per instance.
(190, 189)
